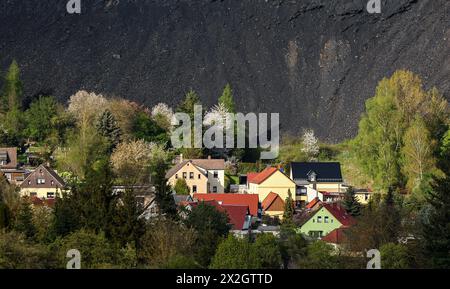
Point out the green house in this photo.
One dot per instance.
(326, 218)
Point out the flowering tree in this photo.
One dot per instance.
(162, 114)
(86, 107)
(310, 145)
(217, 116)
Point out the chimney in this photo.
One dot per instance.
(181, 158)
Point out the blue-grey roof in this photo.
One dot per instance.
(325, 172)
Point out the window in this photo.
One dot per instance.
(325, 219)
(52, 182)
(194, 189)
(319, 219)
(50, 195)
(184, 175)
(40, 181)
(199, 176)
(315, 234)
(214, 189)
(33, 194)
(191, 175)
(216, 174)
(176, 176)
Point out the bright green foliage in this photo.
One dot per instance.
(234, 253)
(350, 202)
(436, 229)
(267, 251)
(395, 256)
(24, 220)
(41, 118)
(12, 89)
(107, 127)
(227, 99)
(398, 103)
(181, 187)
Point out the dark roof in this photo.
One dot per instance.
(9, 155)
(51, 175)
(325, 172)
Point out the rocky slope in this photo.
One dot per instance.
(314, 61)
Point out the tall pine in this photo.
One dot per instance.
(289, 209)
(436, 230)
(227, 99)
(12, 89)
(350, 202)
(107, 126)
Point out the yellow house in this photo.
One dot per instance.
(201, 175)
(271, 180)
(43, 183)
(363, 196)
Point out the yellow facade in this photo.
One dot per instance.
(330, 187)
(41, 193)
(363, 197)
(278, 183)
(194, 179)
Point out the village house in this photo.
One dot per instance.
(9, 166)
(270, 180)
(43, 183)
(273, 206)
(363, 195)
(324, 219)
(314, 177)
(201, 175)
(249, 200)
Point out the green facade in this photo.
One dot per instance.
(320, 224)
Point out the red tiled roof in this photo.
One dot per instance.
(236, 213)
(314, 202)
(251, 176)
(336, 236)
(340, 214)
(268, 201)
(262, 176)
(250, 200)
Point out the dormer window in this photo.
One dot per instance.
(312, 177)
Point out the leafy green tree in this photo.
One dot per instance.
(320, 255)
(40, 118)
(65, 211)
(181, 187)
(24, 220)
(144, 127)
(187, 105)
(234, 253)
(267, 251)
(12, 89)
(227, 99)
(107, 127)
(436, 228)
(211, 226)
(289, 208)
(128, 226)
(16, 252)
(292, 246)
(395, 256)
(350, 202)
(163, 194)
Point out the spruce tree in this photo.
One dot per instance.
(163, 194)
(12, 89)
(24, 220)
(227, 99)
(289, 209)
(107, 126)
(436, 230)
(350, 203)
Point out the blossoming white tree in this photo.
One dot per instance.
(310, 145)
(162, 114)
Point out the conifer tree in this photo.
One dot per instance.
(350, 203)
(436, 230)
(107, 126)
(12, 89)
(227, 100)
(289, 208)
(24, 220)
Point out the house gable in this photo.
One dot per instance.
(43, 177)
(320, 223)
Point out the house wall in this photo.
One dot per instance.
(201, 182)
(277, 183)
(217, 182)
(330, 187)
(40, 192)
(325, 228)
(363, 198)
